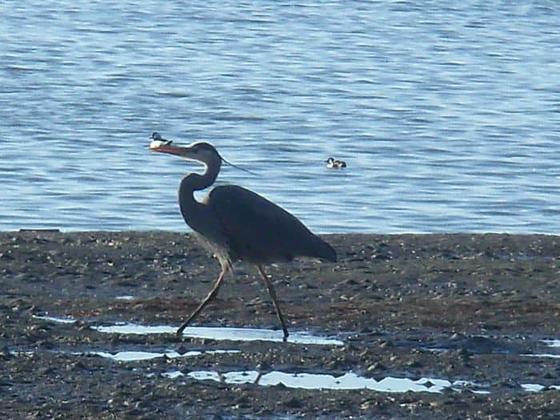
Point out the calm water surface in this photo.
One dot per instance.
(447, 113)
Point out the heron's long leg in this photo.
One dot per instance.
(205, 302)
(272, 293)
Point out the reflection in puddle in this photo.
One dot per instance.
(55, 319)
(549, 355)
(22, 353)
(172, 375)
(538, 387)
(552, 343)
(134, 356)
(347, 381)
(129, 356)
(219, 333)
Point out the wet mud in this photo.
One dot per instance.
(445, 326)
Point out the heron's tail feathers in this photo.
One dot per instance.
(323, 250)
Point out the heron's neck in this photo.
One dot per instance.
(193, 211)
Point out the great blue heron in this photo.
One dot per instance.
(239, 224)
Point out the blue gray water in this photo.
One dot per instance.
(447, 113)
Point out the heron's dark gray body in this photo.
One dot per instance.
(258, 231)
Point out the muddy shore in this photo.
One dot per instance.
(470, 311)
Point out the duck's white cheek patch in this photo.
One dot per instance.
(155, 144)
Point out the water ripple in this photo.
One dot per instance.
(446, 114)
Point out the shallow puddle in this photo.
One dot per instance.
(220, 333)
(135, 356)
(547, 355)
(214, 333)
(125, 297)
(538, 387)
(68, 320)
(347, 381)
(551, 342)
(129, 356)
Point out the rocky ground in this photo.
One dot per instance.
(473, 308)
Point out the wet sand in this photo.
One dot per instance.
(462, 307)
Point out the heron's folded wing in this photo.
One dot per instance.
(258, 229)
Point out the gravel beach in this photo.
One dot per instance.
(444, 326)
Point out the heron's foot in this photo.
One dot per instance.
(179, 332)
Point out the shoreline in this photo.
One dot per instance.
(456, 307)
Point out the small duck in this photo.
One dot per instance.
(157, 140)
(333, 163)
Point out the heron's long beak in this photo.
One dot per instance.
(165, 147)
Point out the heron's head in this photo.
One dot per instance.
(202, 152)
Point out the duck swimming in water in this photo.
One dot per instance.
(333, 163)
